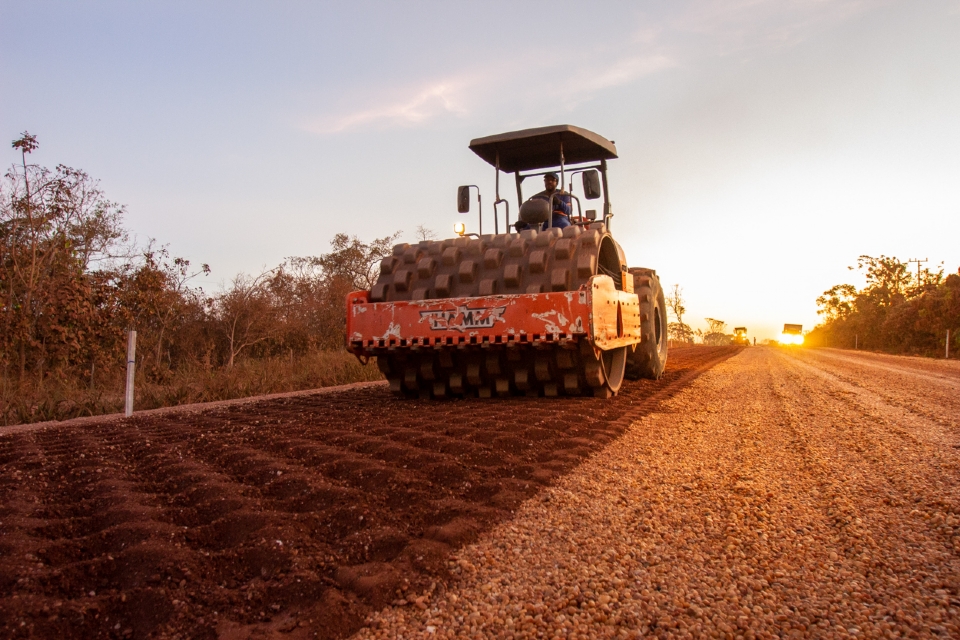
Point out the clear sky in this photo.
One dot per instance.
(764, 144)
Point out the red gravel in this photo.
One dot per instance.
(293, 516)
(786, 493)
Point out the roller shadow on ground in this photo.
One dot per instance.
(296, 515)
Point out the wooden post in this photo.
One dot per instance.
(131, 367)
(948, 344)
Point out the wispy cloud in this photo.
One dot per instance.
(621, 72)
(474, 90)
(709, 28)
(420, 104)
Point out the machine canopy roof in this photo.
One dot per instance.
(538, 148)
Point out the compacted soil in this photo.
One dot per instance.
(293, 517)
(784, 493)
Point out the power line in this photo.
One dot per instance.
(918, 268)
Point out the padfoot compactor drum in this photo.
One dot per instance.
(548, 307)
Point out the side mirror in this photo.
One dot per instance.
(591, 214)
(463, 199)
(591, 184)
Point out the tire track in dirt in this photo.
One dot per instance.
(900, 490)
(929, 389)
(901, 441)
(295, 515)
(916, 366)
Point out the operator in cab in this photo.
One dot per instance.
(561, 203)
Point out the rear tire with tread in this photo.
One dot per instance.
(648, 359)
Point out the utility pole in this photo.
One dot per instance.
(918, 268)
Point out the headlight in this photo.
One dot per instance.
(459, 228)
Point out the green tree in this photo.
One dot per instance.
(896, 311)
(837, 302)
(888, 279)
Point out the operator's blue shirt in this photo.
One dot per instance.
(559, 221)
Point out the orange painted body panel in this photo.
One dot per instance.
(596, 312)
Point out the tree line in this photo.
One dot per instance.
(72, 283)
(897, 311)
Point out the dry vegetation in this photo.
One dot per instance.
(71, 284)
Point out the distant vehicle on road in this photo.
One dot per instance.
(740, 337)
(792, 334)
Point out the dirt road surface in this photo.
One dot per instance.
(290, 517)
(784, 493)
(769, 494)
